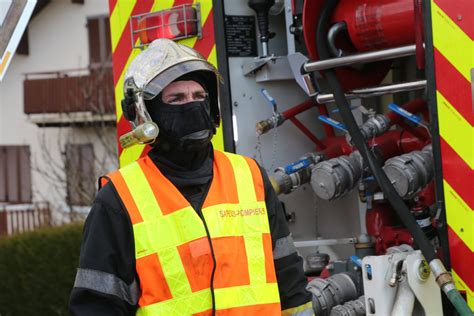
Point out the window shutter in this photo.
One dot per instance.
(25, 174)
(88, 181)
(72, 173)
(3, 174)
(99, 39)
(15, 174)
(80, 174)
(94, 40)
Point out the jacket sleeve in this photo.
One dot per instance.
(106, 281)
(294, 298)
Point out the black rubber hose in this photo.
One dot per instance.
(387, 188)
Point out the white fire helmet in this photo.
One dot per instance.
(157, 66)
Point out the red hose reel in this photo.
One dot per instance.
(368, 25)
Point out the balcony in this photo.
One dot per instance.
(70, 97)
(19, 218)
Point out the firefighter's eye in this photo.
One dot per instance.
(181, 98)
(175, 98)
(199, 96)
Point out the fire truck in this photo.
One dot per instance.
(362, 114)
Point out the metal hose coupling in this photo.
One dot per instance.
(142, 134)
(410, 172)
(332, 291)
(288, 178)
(396, 273)
(266, 125)
(284, 183)
(334, 178)
(442, 277)
(445, 282)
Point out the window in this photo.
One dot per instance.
(100, 51)
(15, 174)
(80, 175)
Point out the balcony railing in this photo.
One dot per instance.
(18, 218)
(69, 91)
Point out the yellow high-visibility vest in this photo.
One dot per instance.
(175, 249)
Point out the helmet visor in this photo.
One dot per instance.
(157, 84)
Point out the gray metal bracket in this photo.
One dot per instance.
(277, 69)
(271, 68)
(251, 68)
(297, 62)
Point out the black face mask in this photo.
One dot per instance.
(183, 127)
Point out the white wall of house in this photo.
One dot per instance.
(58, 40)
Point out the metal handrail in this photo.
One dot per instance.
(368, 57)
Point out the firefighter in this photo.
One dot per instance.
(187, 229)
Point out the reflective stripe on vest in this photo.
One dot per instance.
(173, 256)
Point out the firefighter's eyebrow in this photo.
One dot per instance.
(200, 92)
(176, 94)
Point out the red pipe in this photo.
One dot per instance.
(290, 114)
(392, 143)
(383, 224)
(427, 195)
(297, 109)
(411, 142)
(387, 145)
(415, 106)
(420, 133)
(319, 144)
(336, 146)
(395, 143)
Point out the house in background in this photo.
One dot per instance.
(57, 115)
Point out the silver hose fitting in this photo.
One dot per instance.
(330, 292)
(334, 178)
(375, 126)
(442, 276)
(411, 172)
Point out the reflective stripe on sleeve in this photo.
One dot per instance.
(283, 247)
(107, 283)
(302, 310)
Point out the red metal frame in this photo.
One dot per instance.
(290, 114)
(319, 144)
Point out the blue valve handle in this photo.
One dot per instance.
(298, 165)
(358, 262)
(269, 99)
(332, 122)
(409, 116)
